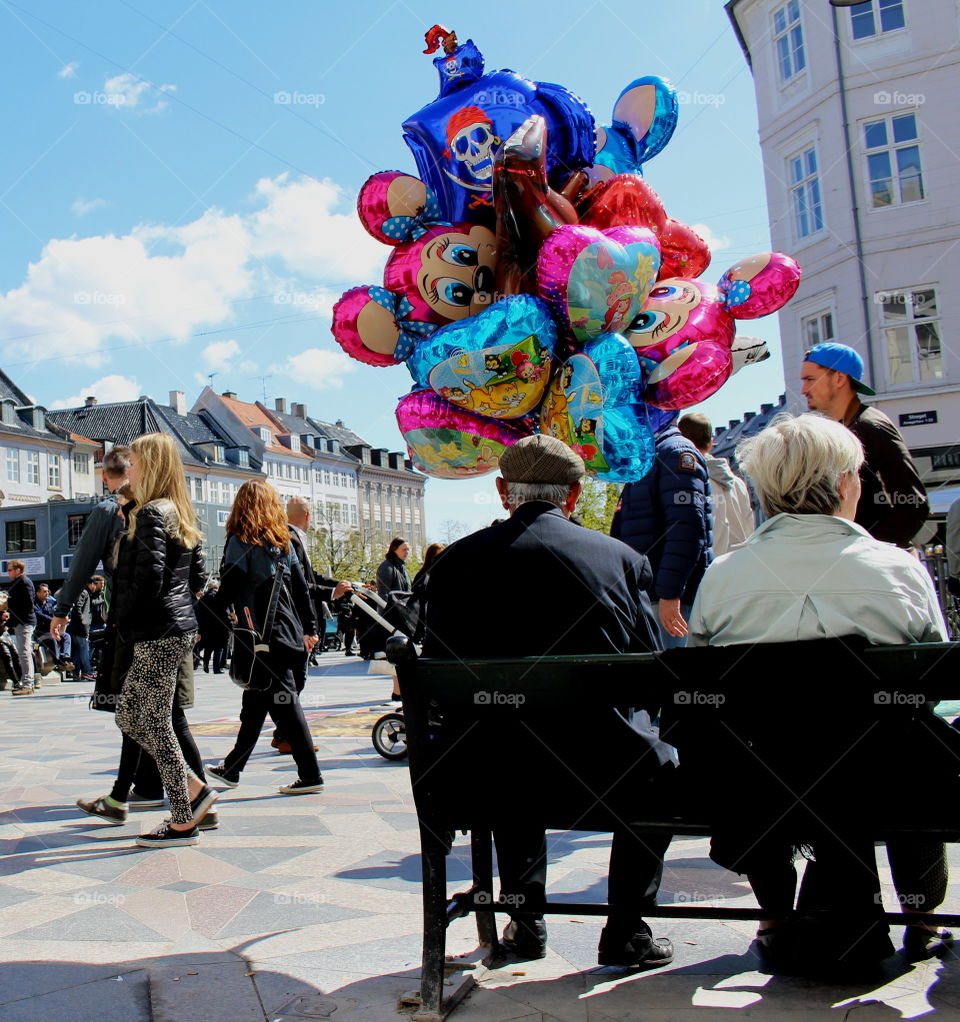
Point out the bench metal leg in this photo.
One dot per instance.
(481, 857)
(433, 854)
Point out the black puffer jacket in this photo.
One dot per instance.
(156, 578)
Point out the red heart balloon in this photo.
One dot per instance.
(683, 252)
(624, 201)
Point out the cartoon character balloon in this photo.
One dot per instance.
(454, 139)
(685, 331)
(450, 443)
(594, 404)
(437, 273)
(644, 119)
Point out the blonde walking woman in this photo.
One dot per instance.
(160, 568)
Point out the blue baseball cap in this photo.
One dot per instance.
(841, 359)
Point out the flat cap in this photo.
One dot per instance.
(541, 459)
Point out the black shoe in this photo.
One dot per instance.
(221, 776)
(638, 950)
(920, 943)
(116, 816)
(526, 938)
(200, 805)
(165, 836)
(137, 801)
(301, 787)
(210, 821)
(348, 652)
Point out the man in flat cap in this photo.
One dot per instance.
(536, 584)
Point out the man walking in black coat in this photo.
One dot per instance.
(21, 617)
(539, 585)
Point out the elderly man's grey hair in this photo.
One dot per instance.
(553, 493)
(795, 464)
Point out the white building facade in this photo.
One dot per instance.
(860, 138)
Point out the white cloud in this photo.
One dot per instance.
(220, 355)
(105, 390)
(715, 242)
(68, 70)
(298, 224)
(127, 90)
(81, 207)
(159, 281)
(318, 368)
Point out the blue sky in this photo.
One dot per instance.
(164, 216)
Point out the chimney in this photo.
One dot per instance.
(230, 393)
(339, 423)
(765, 408)
(734, 423)
(747, 416)
(280, 403)
(298, 410)
(89, 402)
(178, 402)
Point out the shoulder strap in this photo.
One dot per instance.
(279, 571)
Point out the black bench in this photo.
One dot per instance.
(798, 722)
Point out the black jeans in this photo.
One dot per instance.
(636, 869)
(282, 703)
(219, 654)
(138, 768)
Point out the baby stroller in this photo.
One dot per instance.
(396, 615)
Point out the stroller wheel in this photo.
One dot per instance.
(390, 736)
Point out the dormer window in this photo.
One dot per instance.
(217, 452)
(294, 442)
(243, 457)
(264, 434)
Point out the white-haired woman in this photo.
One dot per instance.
(809, 572)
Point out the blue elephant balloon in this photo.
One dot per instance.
(454, 139)
(595, 405)
(644, 119)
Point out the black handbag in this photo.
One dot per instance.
(249, 667)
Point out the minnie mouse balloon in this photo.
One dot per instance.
(594, 405)
(596, 281)
(447, 442)
(496, 363)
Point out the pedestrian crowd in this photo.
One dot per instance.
(839, 501)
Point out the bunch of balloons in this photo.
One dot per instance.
(536, 281)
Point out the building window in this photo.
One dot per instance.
(788, 40)
(198, 489)
(288, 470)
(893, 160)
(876, 16)
(817, 329)
(21, 537)
(13, 465)
(75, 524)
(911, 329)
(33, 466)
(53, 471)
(243, 458)
(81, 463)
(805, 193)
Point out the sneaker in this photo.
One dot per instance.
(165, 836)
(137, 801)
(526, 938)
(116, 816)
(22, 690)
(221, 776)
(631, 951)
(301, 787)
(210, 821)
(202, 803)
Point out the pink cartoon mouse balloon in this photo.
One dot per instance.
(684, 334)
(438, 273)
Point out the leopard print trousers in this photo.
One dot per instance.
(143, 713)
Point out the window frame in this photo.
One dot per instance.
(19, 546)
(787, 34)
(54, 473)
(858, 16)
(13, 461)
(817, 319)
(33, 468)
(73, 533)
(910, 321)
(808, 183)
(890, 147)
